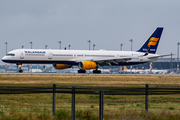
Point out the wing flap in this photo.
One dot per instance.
(116, 59)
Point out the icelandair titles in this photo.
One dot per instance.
(150, 49)
(39, 52)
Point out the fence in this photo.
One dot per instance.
(101, 91)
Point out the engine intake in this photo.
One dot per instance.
(87, 65)
(61, 66)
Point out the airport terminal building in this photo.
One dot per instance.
(163, 63)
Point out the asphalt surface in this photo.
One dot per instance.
(10, 73)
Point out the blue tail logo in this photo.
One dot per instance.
(150, 46)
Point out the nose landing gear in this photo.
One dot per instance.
(20, 71)
(20, 68)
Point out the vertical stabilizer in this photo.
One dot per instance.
(150, 46)
(125, 68)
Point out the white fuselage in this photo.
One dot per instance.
(72, 57)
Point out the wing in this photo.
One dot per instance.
(108, 61)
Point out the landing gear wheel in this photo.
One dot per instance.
(97, 71)
(20, 71)
(81, 71)
(19, 66)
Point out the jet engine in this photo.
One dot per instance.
(87, 65)
(61, 66)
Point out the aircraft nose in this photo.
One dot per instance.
(3, 58)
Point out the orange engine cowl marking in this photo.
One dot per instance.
(62, 66)
(87, 65)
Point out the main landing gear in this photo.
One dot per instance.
(81, 71)
(20, 71)
(96, 71)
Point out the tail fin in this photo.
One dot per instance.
(125, 68)
(151, 44)
(143, 68)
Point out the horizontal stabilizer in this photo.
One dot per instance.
(160, 56)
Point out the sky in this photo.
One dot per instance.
(107, 23)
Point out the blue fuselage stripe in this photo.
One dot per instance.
(64, 62)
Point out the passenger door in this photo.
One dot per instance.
(49, 55)
(22, 55)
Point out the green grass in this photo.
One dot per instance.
(39, 106)
(94, 97)
(63, 114)
(171, 108)
(111, 104)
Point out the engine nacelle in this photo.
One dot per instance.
(87, 65)
(61, 66)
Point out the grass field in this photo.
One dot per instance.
(39, 106)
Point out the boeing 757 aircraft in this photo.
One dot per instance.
(85, 59)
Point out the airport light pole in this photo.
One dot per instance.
(59, 44)
(94, 46)
(121, 46)
(89, 43)
(171, 62)
(45, 46)
(22, 46)
(6, 46)
(31, 48)
(131, 43)
(31, 44)
(178, 57)
(69, 46)
(131, 50)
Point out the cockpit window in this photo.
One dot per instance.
(10, 54)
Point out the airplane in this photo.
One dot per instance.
(154, 71)
(145, 71)
(127, 71)
(87, 59)
(106, 71)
